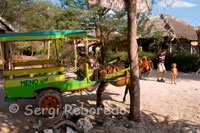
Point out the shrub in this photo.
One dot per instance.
(124, 55)
(111, 55)
(186, 62)
(148, 54)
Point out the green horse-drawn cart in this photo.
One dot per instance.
(46, 83)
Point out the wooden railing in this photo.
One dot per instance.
(35, 62)
(33, 71)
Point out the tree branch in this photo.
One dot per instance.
(4, 9)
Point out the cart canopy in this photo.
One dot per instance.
(91, 38)
(29, 36)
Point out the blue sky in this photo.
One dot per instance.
(186, 10)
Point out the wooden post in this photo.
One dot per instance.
(134, 88)
(86, 46)
(48, 50)
(56, 51)
(32, 51)
(44, 50)
(75, 54)
(3, 54)
(2, 58)
(198, 35)
(10, 54)
(6, 52)
(103, 47)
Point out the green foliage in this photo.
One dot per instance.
(186, 62)
(124, 55)
(111, 55)
(158, 39)
(142, 28)
(13, 10)
(148, 54)
(68, 55)
(68, 20)
(43, 15)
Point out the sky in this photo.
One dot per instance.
(186, 10)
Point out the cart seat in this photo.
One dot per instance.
(69, 75)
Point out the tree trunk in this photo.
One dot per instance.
(134, 88)
(198, 35)
(102, 48)
(75, 54)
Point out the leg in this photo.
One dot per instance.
(174, 79)
(164, 71)
(100, 91)
(125, 93)
(163, 75)
(158, 71)
(172, 76)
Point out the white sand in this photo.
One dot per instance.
(178, 102)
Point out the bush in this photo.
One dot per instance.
(124, 55)
(111, 55)
(186, 62)
(148, 54)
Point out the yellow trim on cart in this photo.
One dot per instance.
(34, 81)
(35, 62)
(33, 70)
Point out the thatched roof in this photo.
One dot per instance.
(197, 28)
(172, 27)
(5, 26)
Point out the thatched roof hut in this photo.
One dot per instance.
(197, 28)
(172, 27)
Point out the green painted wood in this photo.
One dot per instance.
(35, 62)
(33, 70)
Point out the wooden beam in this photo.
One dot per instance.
(33, 70)
(35, 62)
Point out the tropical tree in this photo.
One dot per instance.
(158, 40)
(103, 20)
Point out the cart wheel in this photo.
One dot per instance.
(49, 101)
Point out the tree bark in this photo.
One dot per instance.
(134, 88)
(5, 8)
(102, 47)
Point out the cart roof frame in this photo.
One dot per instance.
(48, 35)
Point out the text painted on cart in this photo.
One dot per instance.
(33, 82)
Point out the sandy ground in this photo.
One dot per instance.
(177, 106)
